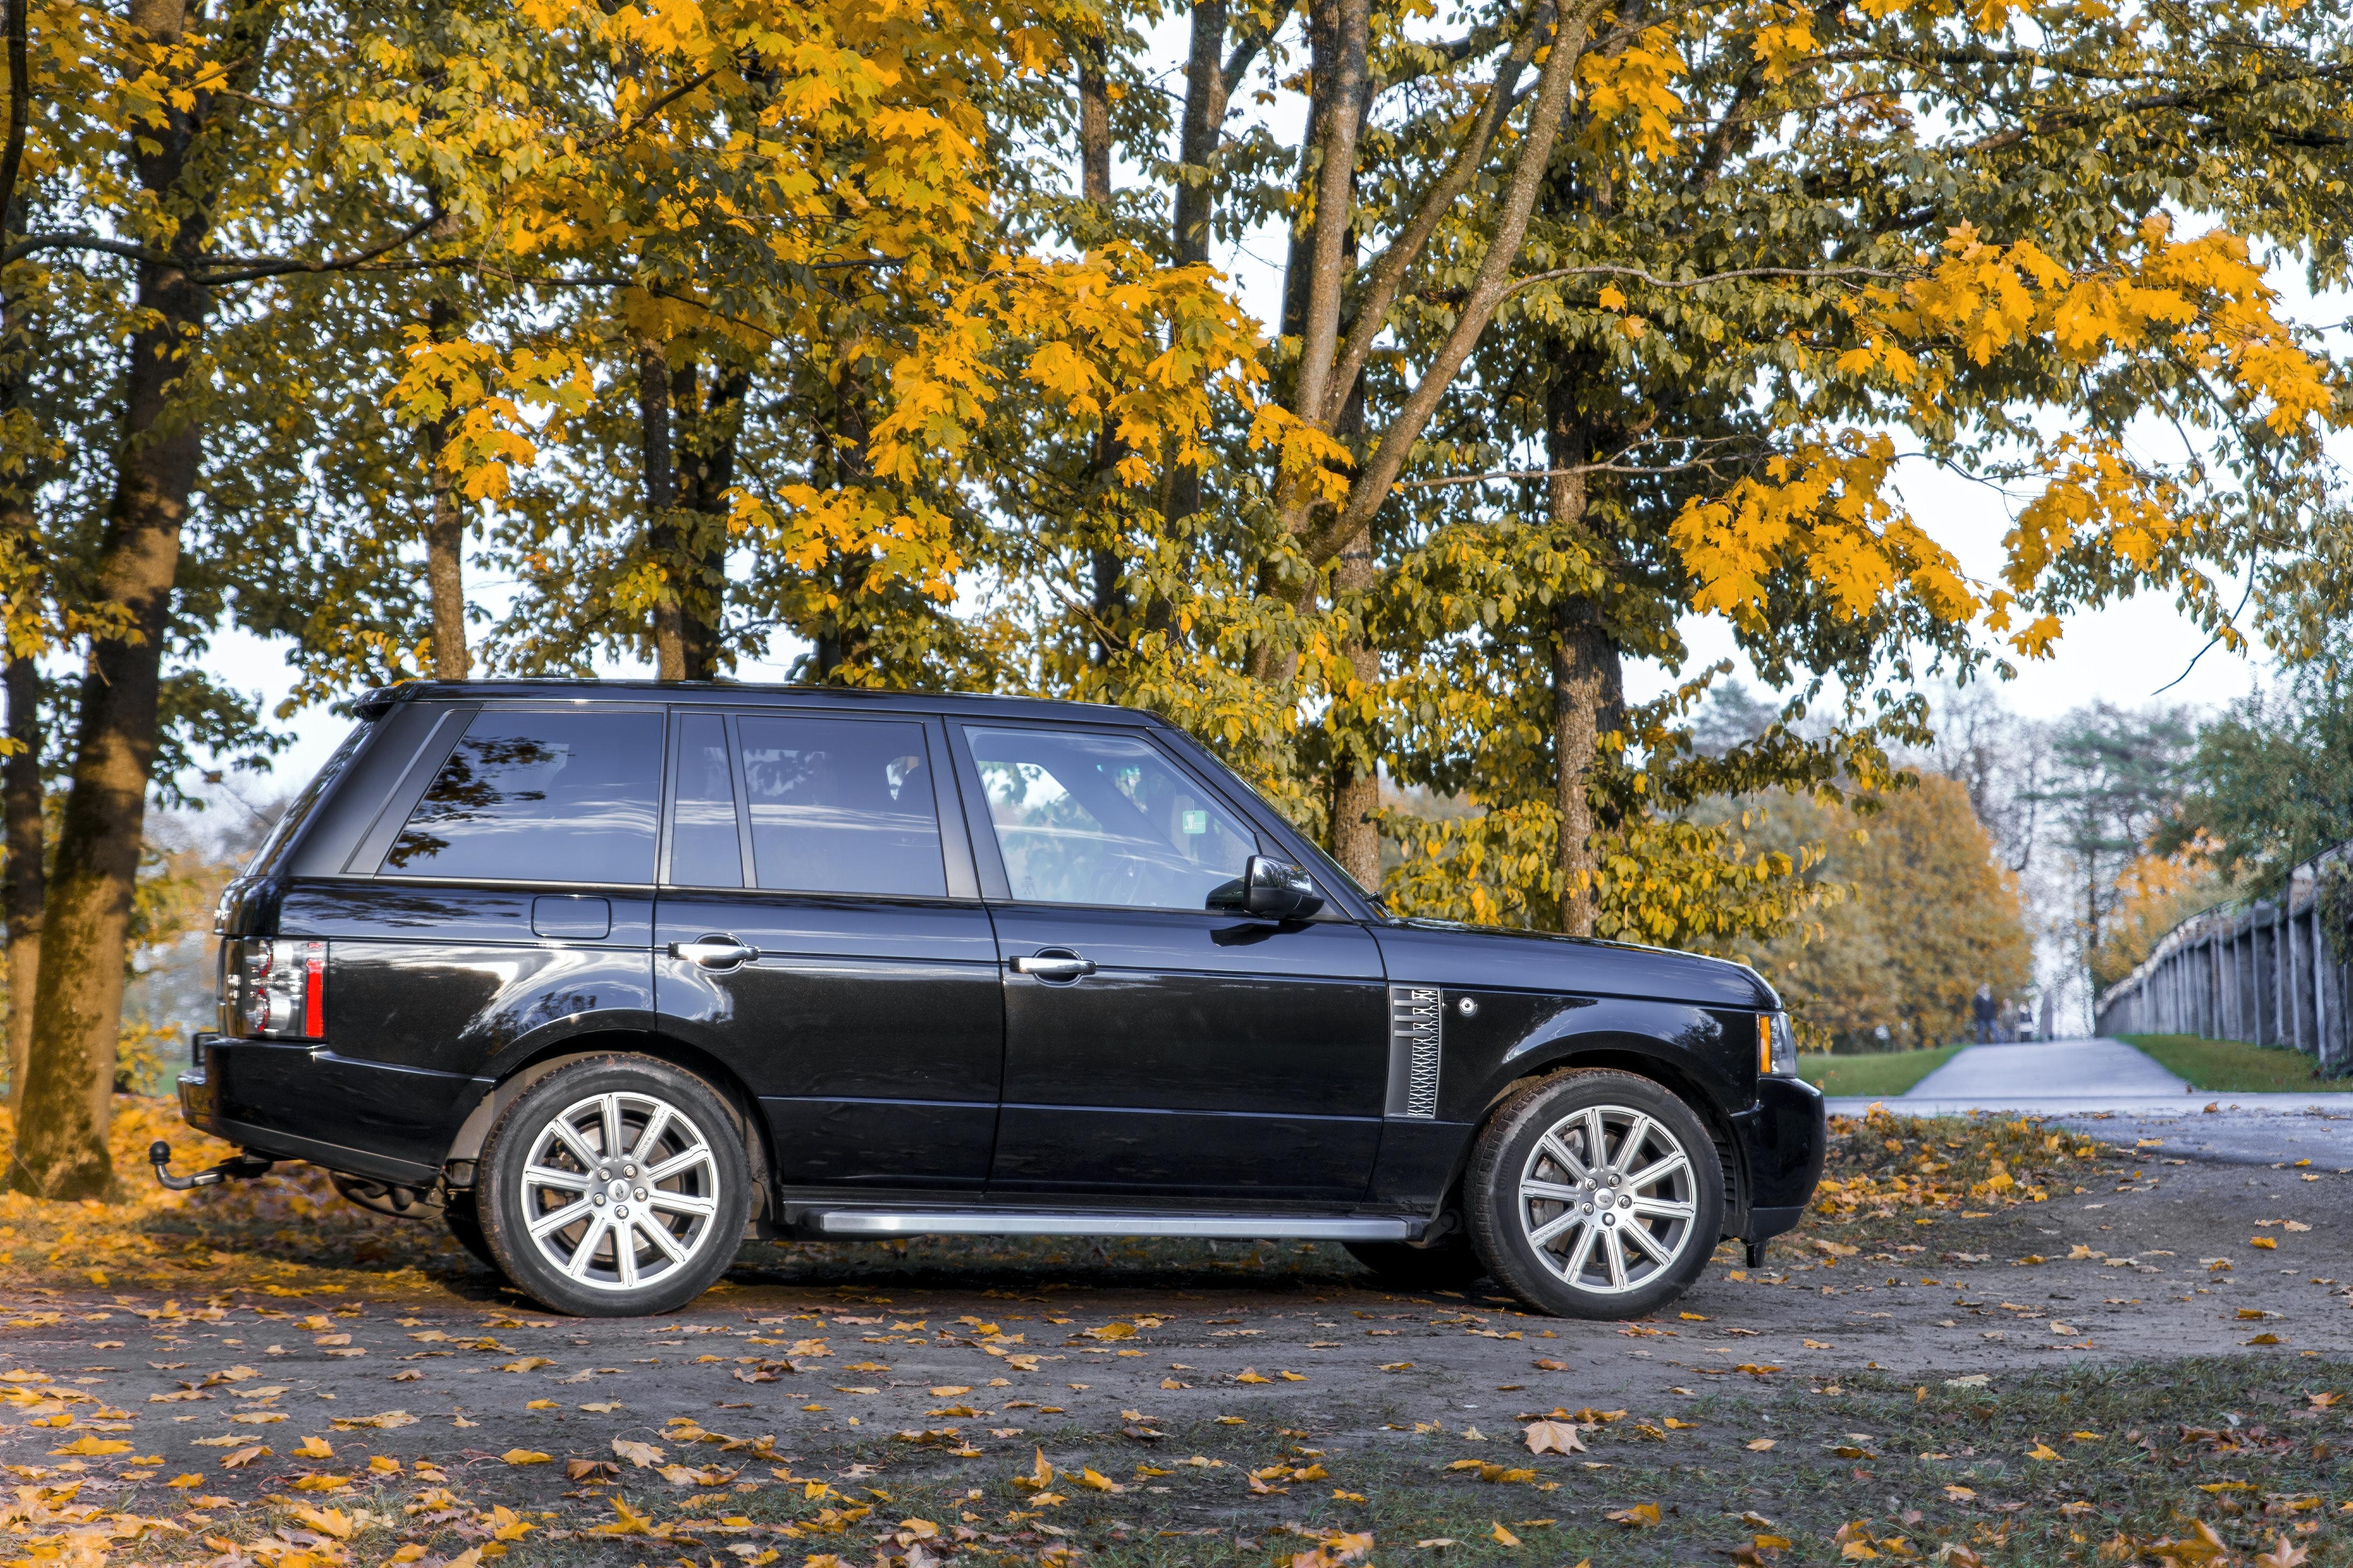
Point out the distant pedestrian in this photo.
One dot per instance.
(2006, 1022)
(1982, 1008)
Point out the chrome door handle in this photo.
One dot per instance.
(714, 953)
(1054, 965)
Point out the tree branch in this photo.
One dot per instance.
(1488, 289)
(1388, 272)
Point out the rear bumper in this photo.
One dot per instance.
(1783, 1139)
(253, 1093)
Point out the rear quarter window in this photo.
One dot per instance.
(298, 810)
(540, 797)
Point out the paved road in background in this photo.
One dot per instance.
(2108, 1088)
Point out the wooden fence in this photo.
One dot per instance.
(2265, 972)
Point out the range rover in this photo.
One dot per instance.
(606, 976)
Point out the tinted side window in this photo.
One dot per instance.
(540, 797)
(1085, 817)
(704, 851)
(841, 806)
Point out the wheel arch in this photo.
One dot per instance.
(1629, 1057)
(517, 1075)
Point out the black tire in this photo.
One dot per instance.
(1583, 1258)
(1447, 1264)
(634, 1247)
(467, 1226)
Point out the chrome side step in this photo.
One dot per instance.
(1201, 1226)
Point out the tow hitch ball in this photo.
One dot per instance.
(242, 1168)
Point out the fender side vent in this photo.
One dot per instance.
(1416, 1031)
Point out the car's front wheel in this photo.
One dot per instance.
(1595, 1194)
(615, 1186)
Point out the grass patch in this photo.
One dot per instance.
(1875, 1073)
(2081, 1465)
(2234, 1067)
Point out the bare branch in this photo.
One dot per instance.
(1488, 289)
(1388, 272)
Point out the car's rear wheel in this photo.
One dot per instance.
(1595, 1194)
(613, 1186)
(1447, 1264)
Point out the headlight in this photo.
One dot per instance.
(1777, 1045)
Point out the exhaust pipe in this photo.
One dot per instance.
(242, 1168)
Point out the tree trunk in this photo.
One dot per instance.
(1355, 769)
(705, 472)
(445, 540)
(1588, 681)
(21, 873)
(1207, 87)
(21, 870)
(61, 1150)
(1108, 592)
(842, 637)
(661, 532)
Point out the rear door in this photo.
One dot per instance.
(1195, 1053)
(818, 928)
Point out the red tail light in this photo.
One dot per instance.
(276, 990)
(314, 990)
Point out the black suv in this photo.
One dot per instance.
(607, 974)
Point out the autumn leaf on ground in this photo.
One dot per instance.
(2041, 1451)
(1503, 1535)
(184, 1481)
(93, 1445)
(388, 1421)
(1639, 1517)
(313, 1448)
(1251, 1374)
(244, 1456)
(332, 1521)
(1040, 1476)
(1554, 1437)
(641, 1455)
(1760, 1444)
(525, 1457)
(2267, 1243)
(2285, 1555)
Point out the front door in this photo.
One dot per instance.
(1153, 1045)
(817, 929)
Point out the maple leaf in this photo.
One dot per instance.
(1554, 1437)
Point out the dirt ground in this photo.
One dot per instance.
(1191, 1403)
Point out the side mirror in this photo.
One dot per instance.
(1269, 890)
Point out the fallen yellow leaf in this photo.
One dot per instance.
(525, 1457)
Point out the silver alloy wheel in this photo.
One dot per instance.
(619, 1190)
(1606, 1199)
